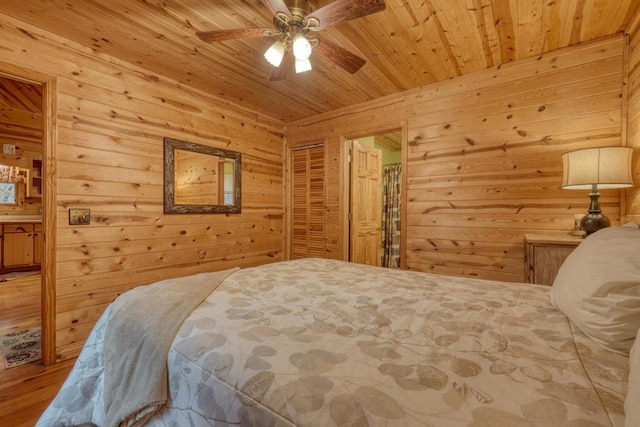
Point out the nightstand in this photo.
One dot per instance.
(544, 254)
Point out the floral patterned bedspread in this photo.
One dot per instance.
(318, 342)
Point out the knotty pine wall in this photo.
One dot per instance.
(633, 114)
(111, 119)
(484, 156)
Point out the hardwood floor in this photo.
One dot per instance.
(19, 305)
(26, 390)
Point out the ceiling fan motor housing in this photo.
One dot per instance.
(301, 5)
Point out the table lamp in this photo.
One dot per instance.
(593, 168)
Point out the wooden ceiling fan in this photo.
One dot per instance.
(296, 32)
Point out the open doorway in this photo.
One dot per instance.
(374, 199)
(23, 125)
(21, 246)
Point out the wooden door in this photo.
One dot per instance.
(366, 205)
(307, 202)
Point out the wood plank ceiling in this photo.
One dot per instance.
(20, 112)
(410, 44)
(16, 95)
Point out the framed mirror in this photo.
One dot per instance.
(200, 179)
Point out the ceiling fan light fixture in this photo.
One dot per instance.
(275, 53)
(301, 47)
(294, 24)
(303, 65)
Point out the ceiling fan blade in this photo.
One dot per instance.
(339, 55)
(342, 11)
(280, 73)
(276, 7)
(240, 33)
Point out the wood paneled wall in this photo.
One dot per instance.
(111, 119)
(633, 115)
(484, 155)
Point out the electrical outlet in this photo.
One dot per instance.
(9, 149)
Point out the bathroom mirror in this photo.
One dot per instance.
(200, 179)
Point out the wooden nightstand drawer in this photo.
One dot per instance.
(544, 254)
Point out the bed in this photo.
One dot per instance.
(318, 342)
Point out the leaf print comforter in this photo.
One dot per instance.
(318, 342)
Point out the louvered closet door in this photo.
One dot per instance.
(307, 236)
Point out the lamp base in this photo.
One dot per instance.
(593, 222)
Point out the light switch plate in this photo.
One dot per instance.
(9, 149)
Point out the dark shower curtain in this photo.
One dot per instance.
(391, 216)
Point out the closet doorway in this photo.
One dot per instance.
(375, 169)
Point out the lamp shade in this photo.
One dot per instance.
(303, 65)
(606, 167)
(301, 47)
(275, 53)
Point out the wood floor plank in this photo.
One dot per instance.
(19, 304)
(25, 390)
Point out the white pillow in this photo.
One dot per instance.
(598, 287)
(632, 402)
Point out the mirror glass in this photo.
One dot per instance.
(10, 178)
(8, 193)
(200, 179)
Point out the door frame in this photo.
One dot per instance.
(49, 214)
(345, 179)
